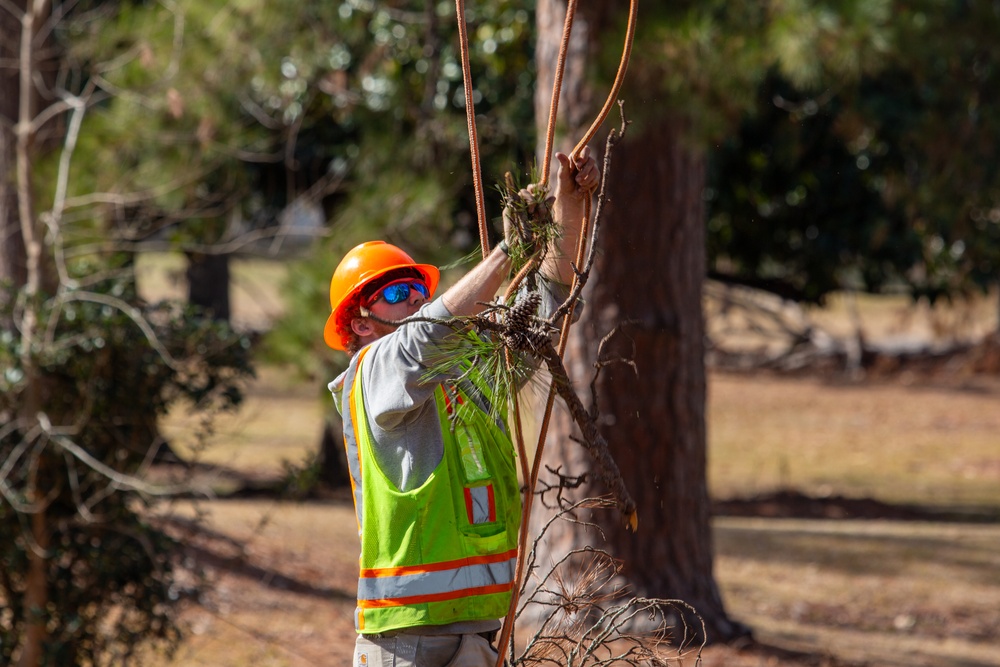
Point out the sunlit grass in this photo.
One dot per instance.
(280, 421)
(865, 590)
(896, 443)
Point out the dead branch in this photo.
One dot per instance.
(607, 470)
(564, 482)
(603, 362)
(585, 618)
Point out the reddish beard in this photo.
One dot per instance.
(381, 328)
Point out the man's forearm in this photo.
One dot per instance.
(558, 264)
(478, 285)
(575, 181)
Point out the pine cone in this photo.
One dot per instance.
(521, 333)
(520, 316)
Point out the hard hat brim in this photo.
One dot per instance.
(330, 334)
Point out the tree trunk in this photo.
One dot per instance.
(650, 269)
(208, 283)
(39, 278)
(36, 596)
(13, 266)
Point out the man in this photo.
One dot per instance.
(432, 467)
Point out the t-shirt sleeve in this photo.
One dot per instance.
(397, 370)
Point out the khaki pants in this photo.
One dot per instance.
(404, 650)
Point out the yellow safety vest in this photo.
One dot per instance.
(445, 551)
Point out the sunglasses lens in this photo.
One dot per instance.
(396, 293)
(422, 288)
(399, 292)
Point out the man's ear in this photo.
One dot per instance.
(362, 326)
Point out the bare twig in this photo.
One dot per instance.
(120, 480)
(133, 314)
(585, 618)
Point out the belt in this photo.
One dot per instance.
(490, 636)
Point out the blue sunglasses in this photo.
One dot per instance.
(399, 291)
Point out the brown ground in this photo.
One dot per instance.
(282, 573)
(274, 604)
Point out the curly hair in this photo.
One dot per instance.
(350, 310)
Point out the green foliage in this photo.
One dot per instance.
(797, 208)
(208, 115)
(703, 60)
(884, 177)
(108, 368)
(946, 78)
(403, 92)
(488, 366)
(394, 78)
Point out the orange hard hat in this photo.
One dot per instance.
(360, 266)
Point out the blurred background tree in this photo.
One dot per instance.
(885, 180)
(87, 370)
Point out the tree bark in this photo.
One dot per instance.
(650, 268)
(36, 596)
(208, 283)
(13, 266)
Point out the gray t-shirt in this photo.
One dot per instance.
(399, 396)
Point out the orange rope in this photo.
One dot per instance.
(582, 243)
(557, 88)
(531, 479)
(619, 78)
(581, 246)
(518, 433)
(516, 281)
(470, 115)
(581, 251)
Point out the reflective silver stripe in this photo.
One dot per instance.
(431, 583)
